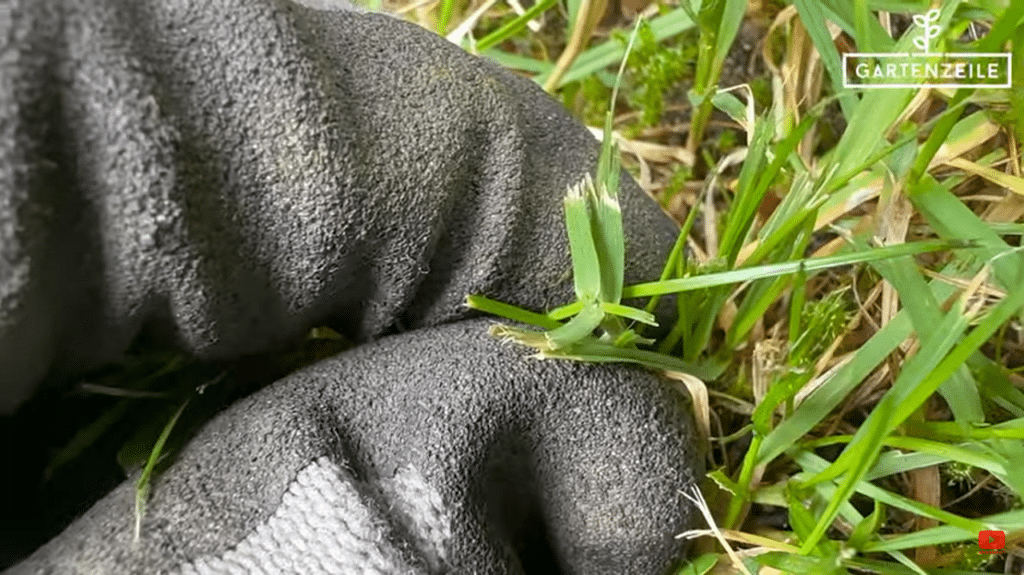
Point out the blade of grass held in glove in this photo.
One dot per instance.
(629, 313)
(579, 327)
(598, 352)
(608, 236)
(509, 311)
(607, 215)
(586, 267)
(604, 240)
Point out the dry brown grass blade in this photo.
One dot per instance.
(766, 360)
(647, 153)
(694, 496)
(893, 221)
(417, 6)
(1014, 184)
(698, 392)
(956, 148)
(987, 289)
(926, 488)
(587, 18)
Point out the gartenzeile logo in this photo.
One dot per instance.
(927, 68)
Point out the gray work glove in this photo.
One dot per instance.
(225, 175)
(434, 451)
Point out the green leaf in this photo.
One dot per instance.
(1010, 521)
(566, 311)
(515, 26)
(142, 485)
(579, 327)
(800, 518)
(605, 54)
(629, 313)
(723, 481)
(700, 566)
(586, 267)
(815, 464)
(867, 528)
(862, 457)
(608, 236)
(773, 270)
(788, 563)
(508, 311)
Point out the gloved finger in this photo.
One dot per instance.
(228, 174)
(430, 452)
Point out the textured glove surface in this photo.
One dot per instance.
(434, 451)
(225, 175)
(229, 173)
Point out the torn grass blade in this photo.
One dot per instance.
(593, 219)
(606, 226)
(606, 214)
(586, 268)
(580, 327)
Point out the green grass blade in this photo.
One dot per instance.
(728, 24)
(445, 16)
(629, 313)
(895, 462)
(508, 311)
(579, 327)
(914, 370)
(598, 58)
(1012, 521)
(515, 26)
(948, 431)
(836, 389)
(906, 396)
(779, 269)
(566, 311)
(586, 266)
(673, 258)
(813, 18)
(599, 352)
(843, 380)
(606, 215)
(960, 391)
(610, 243)
(143, 484)
(745, 206)
(973, 454)
(815, 464)
(990, 323)
(517, 62)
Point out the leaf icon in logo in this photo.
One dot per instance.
(928, 30)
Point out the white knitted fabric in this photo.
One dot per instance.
(419, 509)
(325, 526)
